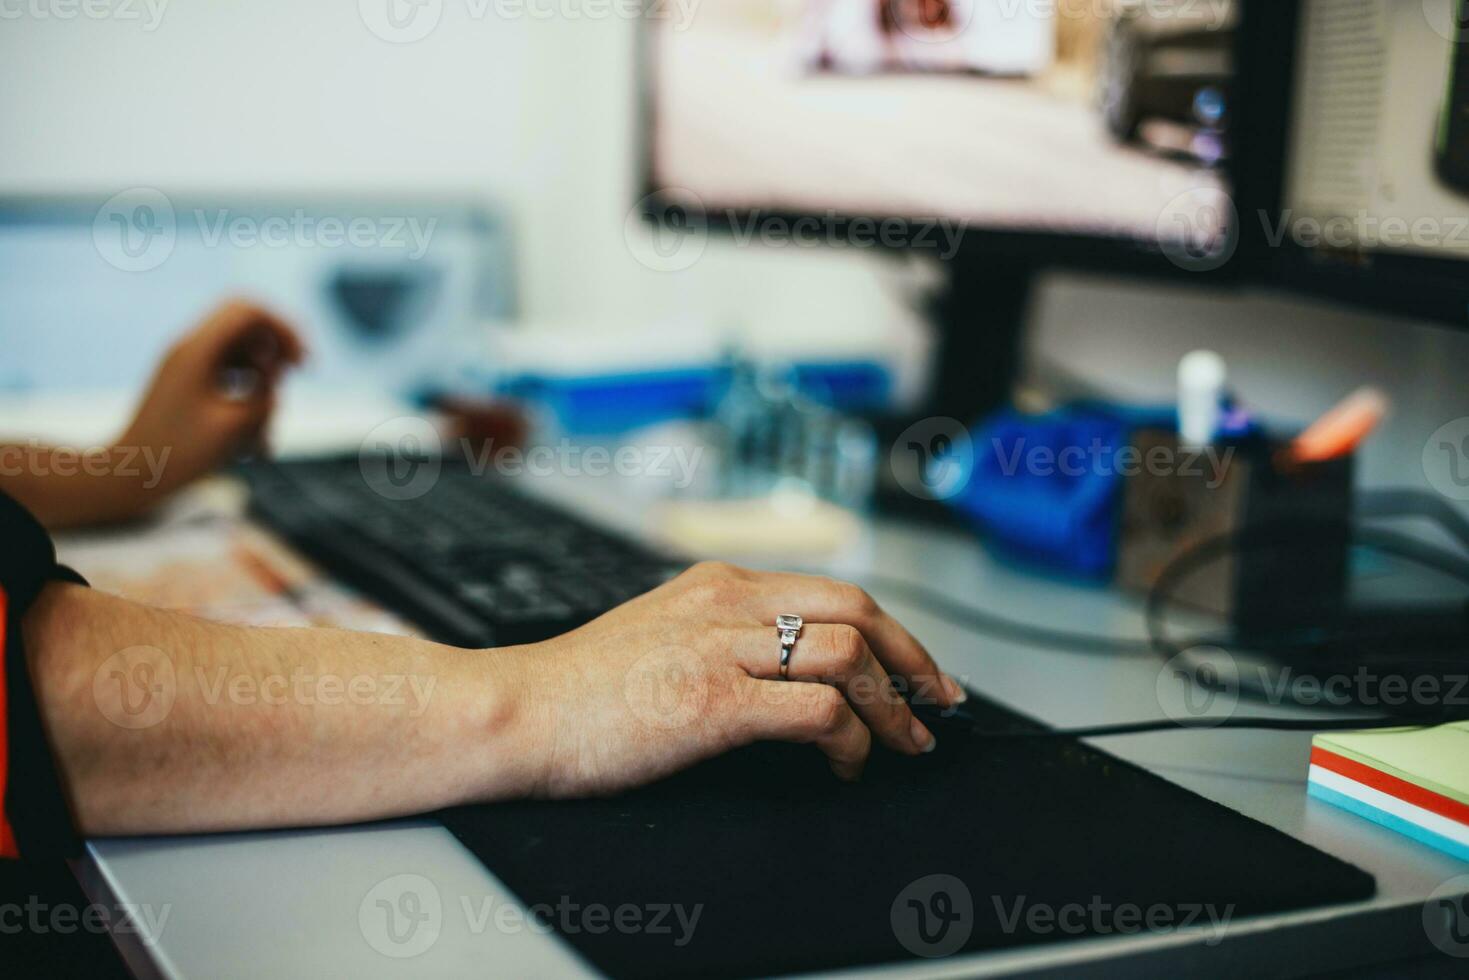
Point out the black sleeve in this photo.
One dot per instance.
(34, 806)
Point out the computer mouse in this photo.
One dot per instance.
(942, 721)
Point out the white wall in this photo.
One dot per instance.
(226, 95)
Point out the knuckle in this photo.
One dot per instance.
(854, 598)
(713, 569)
(713, 592)
(700, 575)
(713, 581)
(848, 646)
(828, 710)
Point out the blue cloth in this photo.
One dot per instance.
(1047, 488)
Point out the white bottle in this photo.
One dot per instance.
(1200, 387)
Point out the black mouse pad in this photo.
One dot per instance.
(761, 862)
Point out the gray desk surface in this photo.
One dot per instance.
(286, 904)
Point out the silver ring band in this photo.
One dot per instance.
(788, 626)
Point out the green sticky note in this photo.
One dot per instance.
(1436, 759)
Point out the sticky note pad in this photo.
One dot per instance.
(1413, 780)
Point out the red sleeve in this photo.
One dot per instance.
(8, 847)
(35, 822)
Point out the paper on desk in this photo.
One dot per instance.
(207, 560)
(1437, 759)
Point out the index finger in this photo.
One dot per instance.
(239, 322)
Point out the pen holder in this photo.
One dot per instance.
(1277, 531)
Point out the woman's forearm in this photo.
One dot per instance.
(72, 487)
(163, 723)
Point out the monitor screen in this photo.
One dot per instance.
(1107, 119)
(1377, 171)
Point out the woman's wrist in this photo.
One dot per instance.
(501, 731)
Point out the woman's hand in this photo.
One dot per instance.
(212, 395)
(209, 400)
(249, 728)
(691, 670)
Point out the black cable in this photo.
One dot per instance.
(1301, 534)
(1412, 502)
(1275, 534)
(982, 621)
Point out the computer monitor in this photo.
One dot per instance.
(1375, 192)
(1068, 131)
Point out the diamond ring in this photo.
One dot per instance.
(789, 627)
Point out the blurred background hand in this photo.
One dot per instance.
(212, 396)
(209, 401)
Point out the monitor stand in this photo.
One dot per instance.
(980, 315)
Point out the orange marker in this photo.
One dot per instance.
(1342, 428)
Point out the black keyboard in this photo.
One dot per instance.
(472, 561)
